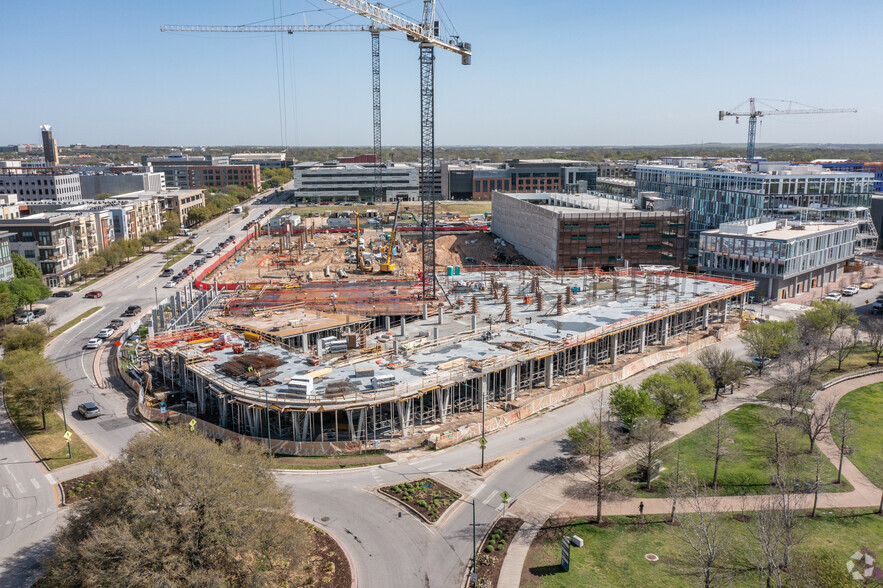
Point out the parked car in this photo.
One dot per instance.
(167, 272)
(850, 291)
(171, 284)
(93, 343)
(39, 312)
(210, 254)
(89, 410)
(134, 308)
(62, 294)
(866, 285)
(761, 361)
(116, 323)
(877, 308)
(94, 294)
(835, 296)
(105, 333)
(25, 318)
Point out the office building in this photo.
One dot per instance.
(349, 182)
(784, 257)
(620, 187)
(220, 176)
(176, 167)
(50, 147)
(43, 183)
(476, 180)
(9, 206)
(7, 271)
(265, 160)
(572, 231)
(94, 184)
(869, 167)
(718, 192)
(179, 202)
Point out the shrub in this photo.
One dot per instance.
(489, 548)
(501, 547)
(407, 498)
(421, 503)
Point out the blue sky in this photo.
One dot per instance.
(550, 72)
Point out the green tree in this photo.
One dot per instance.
(22, 268)
(29, 290)
(696, 374)
(595, 450)
(829, 315)
(8, 301)
(33, 337)
(676, 397)
(629, 404)
(769, 339)
(156, 520)
(32, 381)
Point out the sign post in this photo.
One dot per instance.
(565, 553)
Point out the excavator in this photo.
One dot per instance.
(389, 266)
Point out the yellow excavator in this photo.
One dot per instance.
(389, 266)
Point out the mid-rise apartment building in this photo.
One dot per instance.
(348, 182)
(265, 160)
(95, 184)
(179, 202)
(784, 257)
(573, 231)
(7, 272)
(176, 167)
(220, 176)
(43, 183)
(9, 206)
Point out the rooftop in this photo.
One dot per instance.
(574, 204)
(755, 168)
(777, 229)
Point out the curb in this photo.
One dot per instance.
(349, 559)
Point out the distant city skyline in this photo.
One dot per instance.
(561, 73)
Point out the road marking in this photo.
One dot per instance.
(35, 483)
(28, 516)
(21, 488)
(431, 465)
(6, 492)
(51, 479)
(8, 522)
(17, 519)
(39, 512)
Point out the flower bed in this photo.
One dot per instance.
(493, 551)
(426, 497)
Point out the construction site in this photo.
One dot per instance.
(371, 361)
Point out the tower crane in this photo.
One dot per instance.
(291, 29)
(426, 34)
(753, 114)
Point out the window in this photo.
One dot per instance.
(648, 225)
(577, 237)
(602, 226)
(632, 236)
(654, 246)
(593, 248)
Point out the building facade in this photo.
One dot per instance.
(179, 202)
(175, 168)
(265, 160)
(7, 272)
(44, 183)
(727, 191)
(565, 231)
(348, 182)
(50, 147)
(785, 258)
(92, 185)
(220, 176)
(477, 180)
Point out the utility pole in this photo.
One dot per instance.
(64, 416)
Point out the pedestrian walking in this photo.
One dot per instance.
(641, 508)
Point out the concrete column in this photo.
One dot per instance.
(402, 327)
(155, 320)
(404, 408)
(548, 369)
(441, 315)
(435, 333)
(425, 311)
(511, 382)
(395, 347)
(614, 343)
(200, 393)
(386, 323)
(642, 334)
(726, 310)
(531, 371)
(474, 322)
(583, 359)
(444, 403)
(305, 343)
(665, 330)
(705, 317)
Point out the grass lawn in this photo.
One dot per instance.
(49, 443)
(748, 471)
(859, 359)
(614, 557)
(73, 322)
(178, 255)
(866, 406)
(331, 463)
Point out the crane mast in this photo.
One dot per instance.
(753, 114)
(426, 34)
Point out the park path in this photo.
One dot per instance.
(550, 496)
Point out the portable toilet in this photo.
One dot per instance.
(450, 270)
(456, 270)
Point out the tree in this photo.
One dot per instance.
(842, 427)
(629, 404)
(33, 337)
(874, 330)
(595, 450)
(703, 532)
(714, 444)
(8, 301)
(676, 397)
(33, 381)
(696, 374)
(827, 316)
(843, 344)
(649, 436)
(722, 366)
(777, 531)
(22, 268)
(778, 445)
(814, 421)
(796, 385)
(156, 520)
(29, 290)
(769, 339)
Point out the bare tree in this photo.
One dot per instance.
(795, 385)
(722, 366)
(843, 344)
(703, 532)
(714, 444)
(596, 452)
(842, 429)
(874, 331)
(817, 482)
(815, 421)
(649, 437)
(777, 531)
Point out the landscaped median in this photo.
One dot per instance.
(426, 497)
(73, 322)
(49, 443)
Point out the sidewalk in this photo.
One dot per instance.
(79, 469)
(548, 497)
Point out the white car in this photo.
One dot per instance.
(835, 296)
(104, 333)
(850, 291)
(171, 284)
(93, 343)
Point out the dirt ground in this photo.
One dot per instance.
(455, 249)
